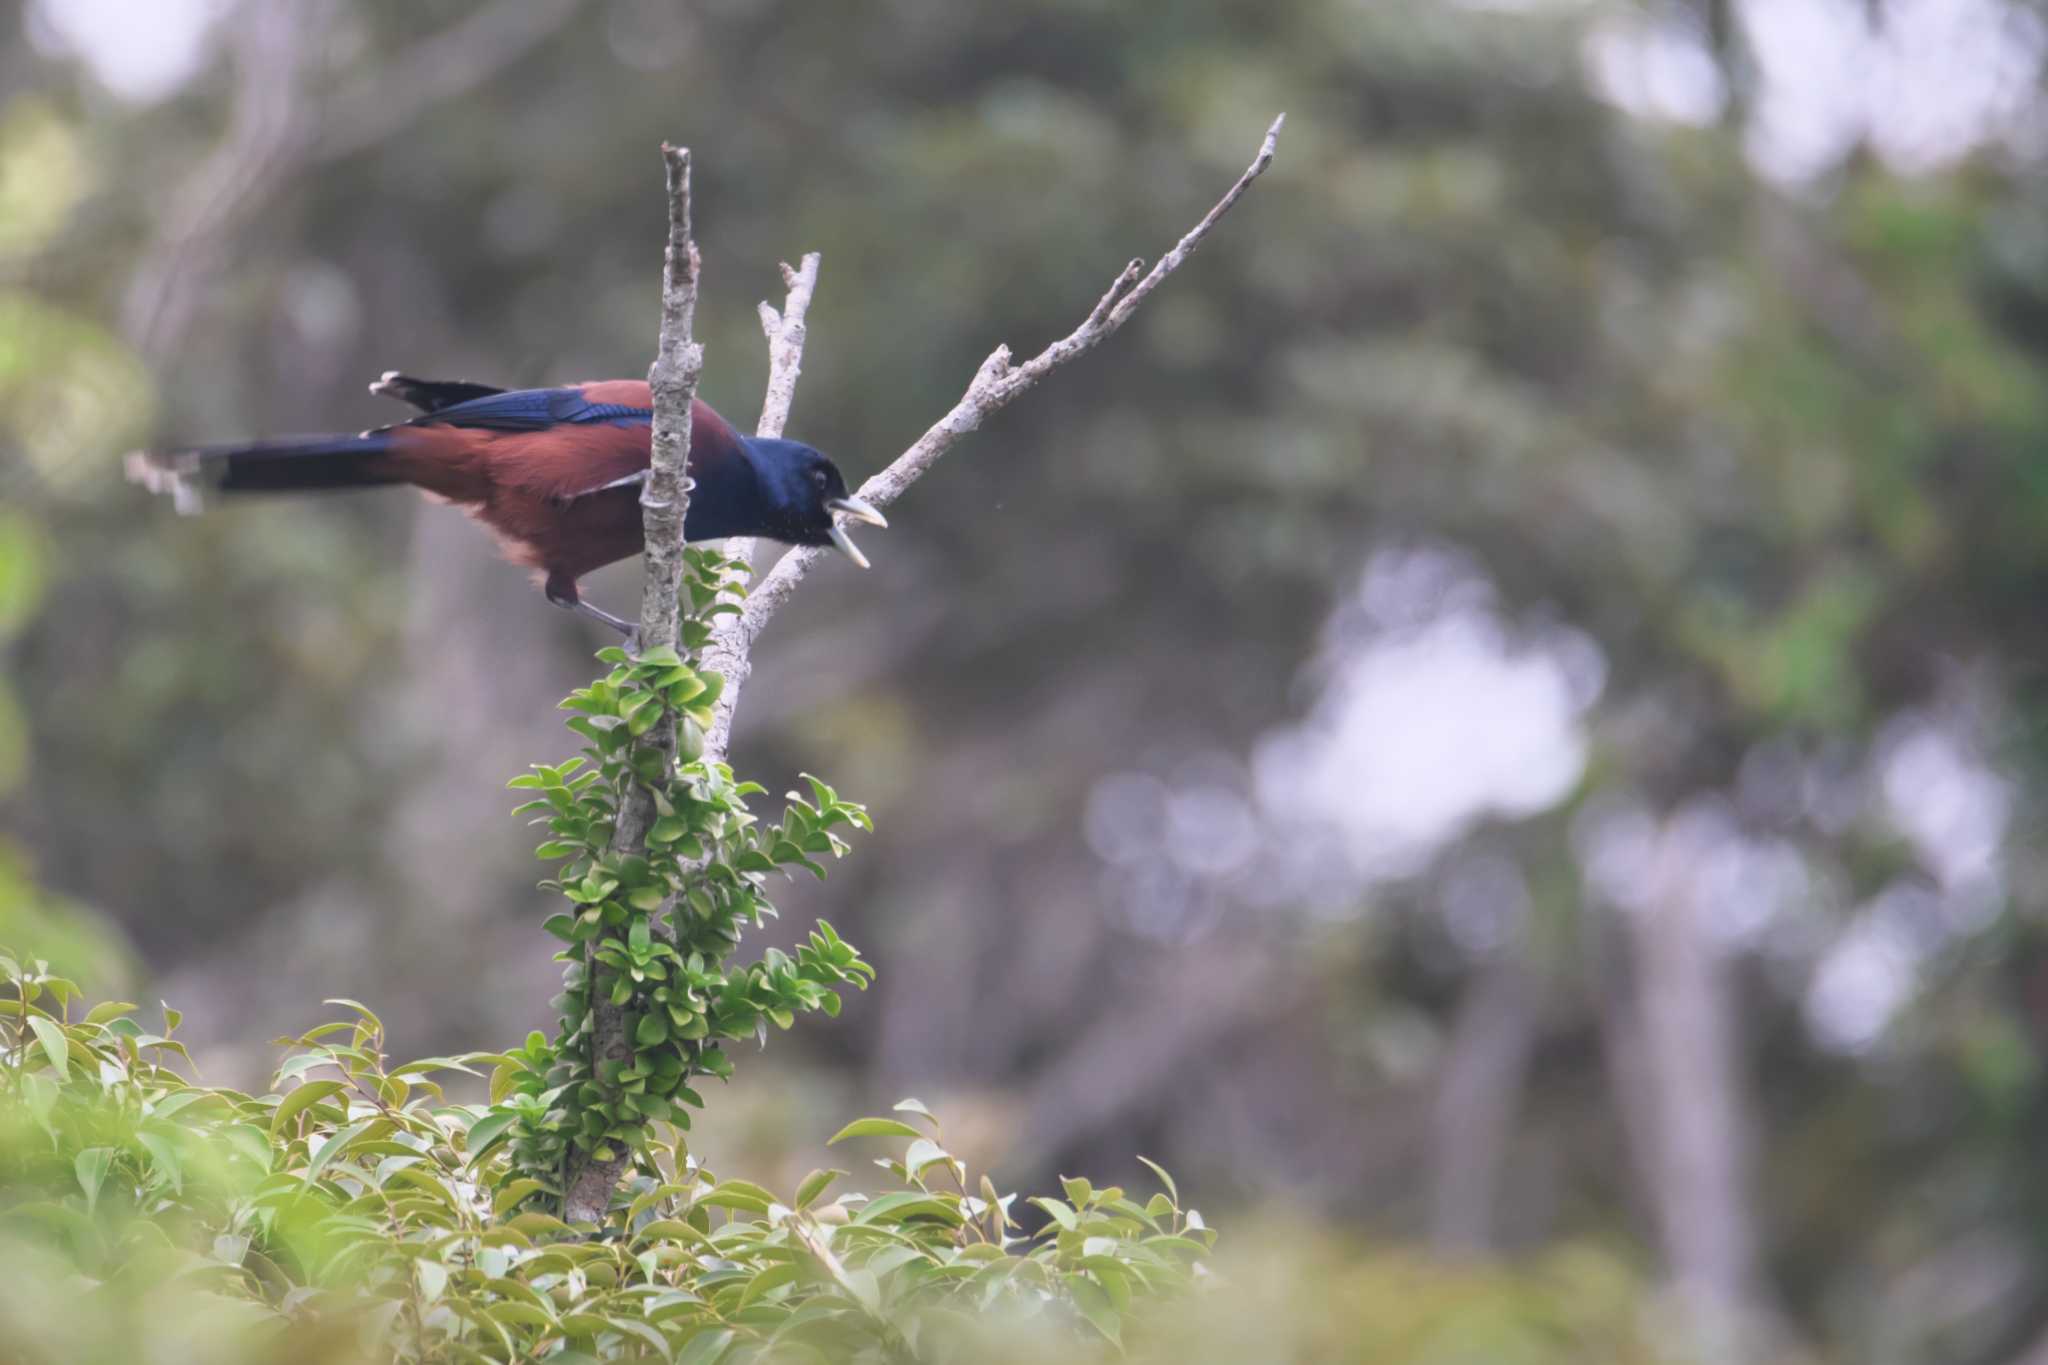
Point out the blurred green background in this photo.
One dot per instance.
(1501, 717)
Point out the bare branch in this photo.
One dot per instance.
(1100, 313)
(665, 497)
(994, 385)
(727, 655)
(589, 1184)
(785, 332)
(664, 504)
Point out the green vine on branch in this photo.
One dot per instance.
(656, 933)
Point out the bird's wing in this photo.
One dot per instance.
(430, 395)
(576, 441)
(533, 410)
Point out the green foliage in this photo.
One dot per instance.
(651, 930)
(355, 1211)
(51, 926)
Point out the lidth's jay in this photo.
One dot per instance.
(554, 473)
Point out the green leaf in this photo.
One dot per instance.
(873, 1127)
(91, 1166)
(369, 1015)
(512, 1193)
(917, 1107)
(706, 1347)
(516, 1313)
(301, 1098)
(738, 1194)
(1172, 1192)
(815, 1184)
(108, 1009)
(922, 1153)
(903, 1205)
(1059, 1213)
(165, 1158)
(51, 1035)
(770, 1280)
(335, 1146)
(488, 1130)
(670, 1230)
(1094, 1304)
(652, 1029)
(689, 739)
(427, 1064)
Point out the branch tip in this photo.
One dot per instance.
(996, 383)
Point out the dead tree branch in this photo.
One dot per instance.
(665, 497)
(588, 1182)
(785, 331)
(995, 385)
(664, 501)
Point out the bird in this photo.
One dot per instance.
(553, 473)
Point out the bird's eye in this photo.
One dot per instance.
(818, 477)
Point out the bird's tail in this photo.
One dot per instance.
(291, 464)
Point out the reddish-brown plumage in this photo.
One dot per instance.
(544, 494)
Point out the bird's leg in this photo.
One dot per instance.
(625, 628)
(562, 592)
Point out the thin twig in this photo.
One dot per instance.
(664, 504)
(785, 332)
(995, 384)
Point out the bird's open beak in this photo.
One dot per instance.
(854, 509)
(859, 510)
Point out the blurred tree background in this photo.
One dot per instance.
(1504, 712)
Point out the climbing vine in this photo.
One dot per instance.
(656, 933)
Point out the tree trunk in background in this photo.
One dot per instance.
(1478, 1099)
(1690, 1121)
(273, 47)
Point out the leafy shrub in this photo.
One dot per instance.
(350, 1213)
(663, 868)
(356, 1211)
